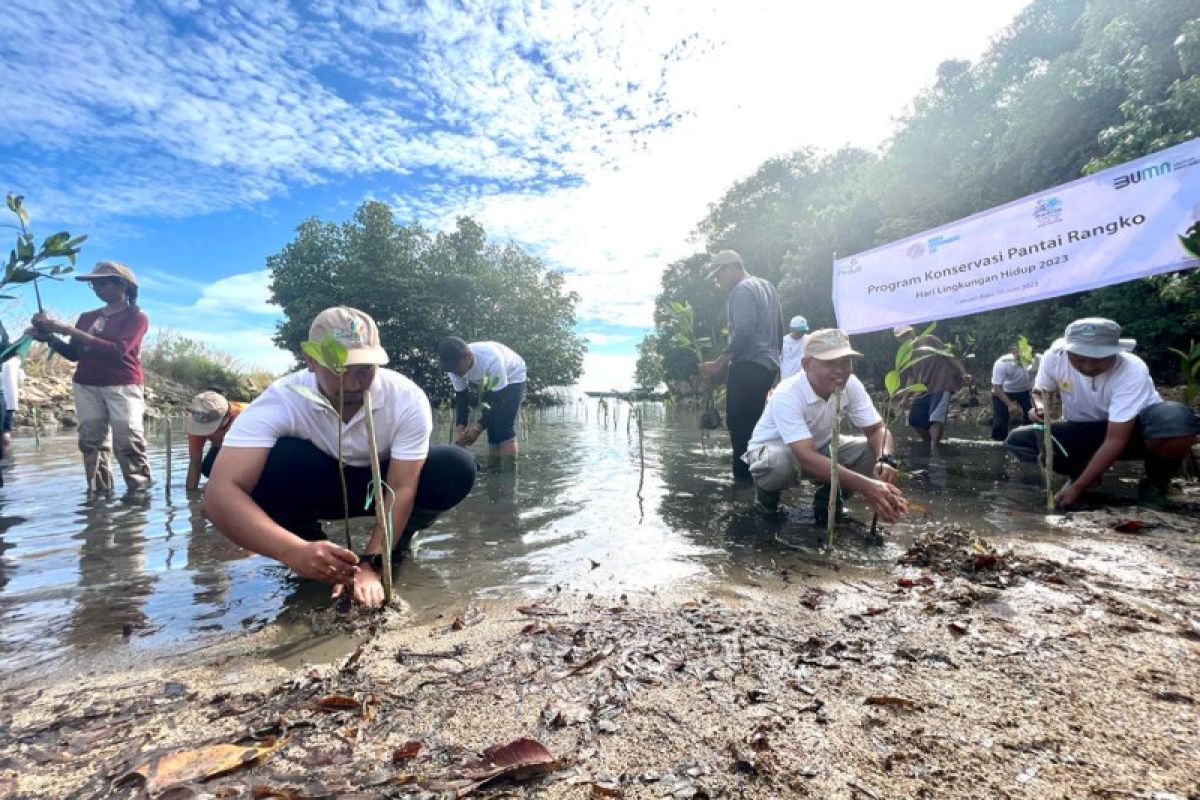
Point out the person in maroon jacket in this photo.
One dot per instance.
(109, 401)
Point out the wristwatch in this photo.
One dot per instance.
(889, 459)
(372, 560)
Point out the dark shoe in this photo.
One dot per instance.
(1152, 495)
(767, 503)
(418, 520)
(821, 506)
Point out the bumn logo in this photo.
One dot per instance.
(1140, 175)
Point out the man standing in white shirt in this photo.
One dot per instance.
(793, 347)
(1111, 412)
(1011, 400)
(277, 476)
(793, 435)
(500, 374)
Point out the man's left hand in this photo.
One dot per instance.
(886, 473)
(1068, 496)
(368, 588)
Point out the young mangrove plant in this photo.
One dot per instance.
(904, 360)
(29, 264)
(1189, 367)
(331, 354)
(683, 327)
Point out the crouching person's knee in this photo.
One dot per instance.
(773, 467)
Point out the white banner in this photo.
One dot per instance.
(1123, 223)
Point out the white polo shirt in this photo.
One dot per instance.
(403, 419)
(796, 412)
(791, 354)
(492, 360)
(1118, 395)
(1010, 376)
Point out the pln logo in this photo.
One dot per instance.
(916, 250)
(1048, 211)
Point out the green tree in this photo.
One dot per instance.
(421, 286)
(648, 371)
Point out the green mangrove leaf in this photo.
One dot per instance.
(891, 382)
(308, 393)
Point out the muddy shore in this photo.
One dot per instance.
(1061, 667)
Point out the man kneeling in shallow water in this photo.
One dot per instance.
(276, 476)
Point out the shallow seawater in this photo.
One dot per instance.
(113, 580)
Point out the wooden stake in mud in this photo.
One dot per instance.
(167, 433)
(382, 517)
(37, 429)
(641, 454)
(1048, 451)
(833, 465)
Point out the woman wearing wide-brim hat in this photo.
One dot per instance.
(108, 382)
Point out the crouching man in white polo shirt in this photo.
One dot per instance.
(1111, 412)
(277, 473)
(793, 435)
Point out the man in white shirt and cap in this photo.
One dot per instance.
(1011, 382)
(277, 475)
(793, 347)
(793, 436)
(1111, 412)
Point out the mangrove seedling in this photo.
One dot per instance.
(683, 326)
(1189, 366)
(29, 264)
(905, 358)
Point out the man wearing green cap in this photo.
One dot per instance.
(1111, 412)
(792, 439)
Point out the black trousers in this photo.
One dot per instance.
(1000, 414)
(746, 390)
(299, 486)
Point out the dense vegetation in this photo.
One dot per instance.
(420, 286)
(1071, 87)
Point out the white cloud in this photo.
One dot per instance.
(245, 293)
(605, 371)
(597, 135)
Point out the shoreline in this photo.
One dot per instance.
(1025, 668)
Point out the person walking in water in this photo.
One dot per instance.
(108, 384)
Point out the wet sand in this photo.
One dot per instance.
(1056, 666)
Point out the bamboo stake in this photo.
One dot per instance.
(1048, 451)
(167, 434)
(641, 454)
(833, 465)
(381, 515)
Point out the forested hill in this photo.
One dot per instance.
(1071, 87)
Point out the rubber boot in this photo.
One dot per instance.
(821, 506)
(418, 520)
(766, 503)
(1153, 489)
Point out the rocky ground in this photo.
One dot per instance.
(1063, 667)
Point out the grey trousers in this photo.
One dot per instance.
(774, 468)
(110, 423)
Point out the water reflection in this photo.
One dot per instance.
(78, 580)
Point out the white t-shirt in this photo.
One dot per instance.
(492, 360)
(1117, 396)
(403, 419)
(1010, 376)
(795, 412)
(791, 355)
(10, 381)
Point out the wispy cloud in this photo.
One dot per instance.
(595, 134)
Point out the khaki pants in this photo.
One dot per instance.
(774, 468)
(110, 422)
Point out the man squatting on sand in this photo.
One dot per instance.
(792, 438)
(276, 476)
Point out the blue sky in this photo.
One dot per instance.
(189, 138)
